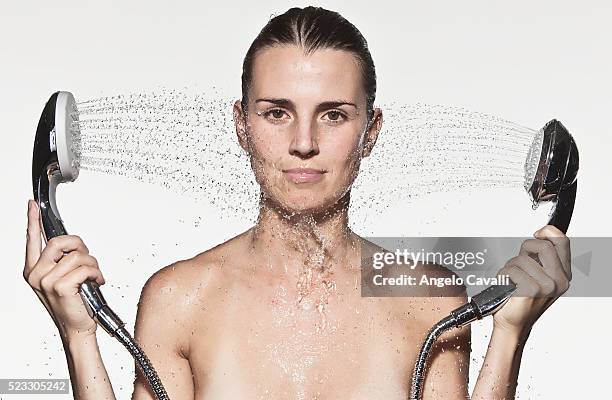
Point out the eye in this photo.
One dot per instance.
(275, 114)
(335, 116)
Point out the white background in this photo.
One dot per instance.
(524, 61)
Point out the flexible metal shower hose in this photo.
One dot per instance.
(445, 324)
(143, 363)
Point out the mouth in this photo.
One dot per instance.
(304, 175)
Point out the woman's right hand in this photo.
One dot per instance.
(56, 272)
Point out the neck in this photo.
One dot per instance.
(306, 249)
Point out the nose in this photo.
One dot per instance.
(304, 141)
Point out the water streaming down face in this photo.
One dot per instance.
(186, 142)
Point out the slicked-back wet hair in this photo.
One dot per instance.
(313, 28)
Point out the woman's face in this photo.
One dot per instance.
(307, 128)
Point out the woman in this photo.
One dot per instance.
(276, 311)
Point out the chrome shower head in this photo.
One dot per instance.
(56, 135)
(551, 169)
(55, 157)
(54, 161)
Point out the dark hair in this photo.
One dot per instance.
(313, 28)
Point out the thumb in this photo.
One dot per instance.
(33, 238)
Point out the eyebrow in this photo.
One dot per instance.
(321, 106)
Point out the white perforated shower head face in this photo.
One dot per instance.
(533, 159)
(67, 135)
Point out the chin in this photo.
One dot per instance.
(301, 205)
(312, 203)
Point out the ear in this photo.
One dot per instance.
(240, 123)
(374, 127)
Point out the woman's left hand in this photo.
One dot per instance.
(541, 272)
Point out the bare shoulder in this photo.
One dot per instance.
(433, 292)
(171, 303)
(174, 294)
(182, 276)
(445, 293)
(192, 276)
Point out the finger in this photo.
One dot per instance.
(58, 246)
(525, 284)
(70, 284)
(38, 273)
(33, 238)
(69, 263)
(45, 273)
(547, 256)
(561, 243)
(546, 286)
(55, 250)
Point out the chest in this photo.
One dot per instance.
(346, 348)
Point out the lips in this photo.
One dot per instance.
(304, 175)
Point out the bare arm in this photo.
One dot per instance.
(160, 331)
(55, 274)
(540, 281)
(499, 375)
(447, 376)
(88, 375)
